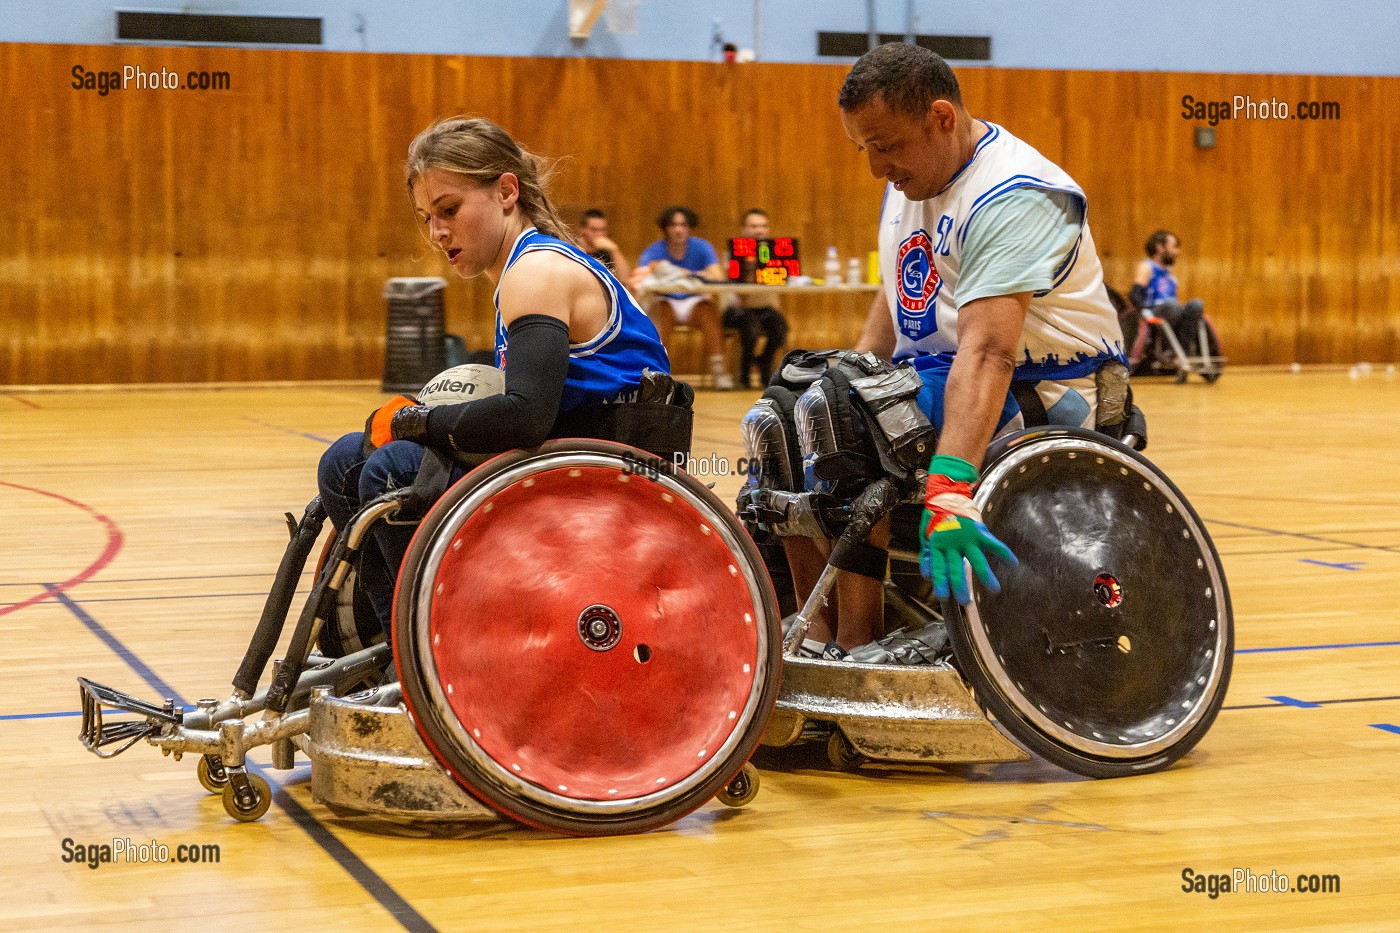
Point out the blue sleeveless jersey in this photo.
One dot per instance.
(609, 367)
(1162, 286)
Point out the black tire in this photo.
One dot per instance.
(1096, 704)
(488, 778)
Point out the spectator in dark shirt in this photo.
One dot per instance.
(756, 317)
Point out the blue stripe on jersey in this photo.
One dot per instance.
(1051, 368)
(994, 132)
(1019, 181)
(1068, 265)
(607, 367)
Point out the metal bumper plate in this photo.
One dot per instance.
(917, 714)
(370, 759)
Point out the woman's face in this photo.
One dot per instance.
(465, 219)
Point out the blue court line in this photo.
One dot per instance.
(397, 907)
(38, 715)
(1356, 644)
(1298, 534)
(1290, 701)
(1303, 704)
(152, 679)
(1386, 727)
(289, 430)
(1349, 565)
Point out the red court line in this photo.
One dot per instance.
(114, 544)
(24, 401)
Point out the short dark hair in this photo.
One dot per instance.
(1157, 240)
(750, 212)
(664, 220)
(591, 214)
(909, 77)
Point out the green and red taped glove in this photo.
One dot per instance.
(399, 419)
(951, 531)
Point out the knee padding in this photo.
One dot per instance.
(770, 440)
(835, 440)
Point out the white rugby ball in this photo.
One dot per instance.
(464, 383)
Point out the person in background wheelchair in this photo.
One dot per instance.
(569, 336)
(1155, 289)
(993, 292)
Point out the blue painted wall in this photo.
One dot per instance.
(1284, 36)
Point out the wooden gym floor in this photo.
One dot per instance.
(143, 525)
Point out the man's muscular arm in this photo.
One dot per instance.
(877, 336)
(989, 333)
(951, 529)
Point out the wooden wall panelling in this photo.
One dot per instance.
(247, 234)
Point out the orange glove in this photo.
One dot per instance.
(378, 426)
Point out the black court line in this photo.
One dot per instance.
(106, 580)
(1388, 548)
(140, 599)
(1300, 705)
(368, 879)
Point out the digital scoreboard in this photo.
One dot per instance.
(766, 261)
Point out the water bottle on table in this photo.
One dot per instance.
(832, 267)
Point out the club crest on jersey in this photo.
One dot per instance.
(918, 279)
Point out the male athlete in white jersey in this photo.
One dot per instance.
(992, 288)
(986, 255)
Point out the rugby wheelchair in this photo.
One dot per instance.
(584, 640)
(1156, 350)
(1108, 649)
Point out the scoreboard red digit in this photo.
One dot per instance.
(766, 261)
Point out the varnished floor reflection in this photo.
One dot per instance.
(143, 527)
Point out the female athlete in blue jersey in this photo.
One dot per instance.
(568, 334)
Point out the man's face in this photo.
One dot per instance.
(1169, 252)
(917, 155)
(592, 229)
(677, 229)
(755, 225)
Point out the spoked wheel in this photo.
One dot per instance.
(588, 647)
(1108, 650)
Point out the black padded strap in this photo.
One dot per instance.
(864, 559)
(1032, 408)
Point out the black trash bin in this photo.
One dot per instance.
(414, 349)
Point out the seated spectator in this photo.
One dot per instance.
(756, 317)
(1154, 290)
(698, 257)
(593, 235)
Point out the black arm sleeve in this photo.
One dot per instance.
(1138, 295)
(537, 362)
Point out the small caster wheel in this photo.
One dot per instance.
(742, 789)
(253, 805)
(842, 754)
(1181, 375)
(211, 774)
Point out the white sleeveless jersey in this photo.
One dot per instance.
(1070, 331)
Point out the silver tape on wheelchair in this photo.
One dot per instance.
(893, 398)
